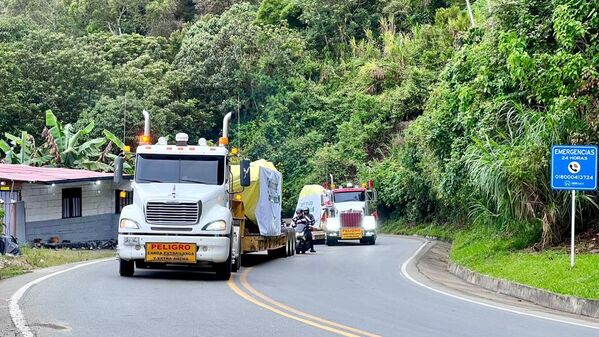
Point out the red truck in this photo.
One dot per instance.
(352, 215)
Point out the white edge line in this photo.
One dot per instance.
(404, 272)
(16, 314)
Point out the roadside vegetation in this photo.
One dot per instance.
(34, 258)
(512, 256)
(454, 123)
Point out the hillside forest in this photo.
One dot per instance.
(452, 119)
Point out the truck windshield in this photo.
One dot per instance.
(159, 168)
(349, 196)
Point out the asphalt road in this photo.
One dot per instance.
(348, 290)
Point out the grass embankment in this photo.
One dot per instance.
(34, 258)
(505, 255)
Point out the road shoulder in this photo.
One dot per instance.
(10, 285)
(430, 267)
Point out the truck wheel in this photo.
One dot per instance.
(331, 241)
(372, 240)
(290, 247)
(126, 268)
(278, 252)
(237, 265)
(223, 270)
(293, 243)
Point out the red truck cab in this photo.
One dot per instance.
(352, 215)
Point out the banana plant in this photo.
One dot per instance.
(21, 150)
(64, 144)
(107, 155)
(64, 147)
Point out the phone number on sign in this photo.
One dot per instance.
(573, 177)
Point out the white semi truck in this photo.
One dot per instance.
(185, 212)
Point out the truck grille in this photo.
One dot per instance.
(351, 219)
(184, 213)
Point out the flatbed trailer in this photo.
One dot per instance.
(246, 241)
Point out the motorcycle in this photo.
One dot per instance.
(303, 240)
(8, 244)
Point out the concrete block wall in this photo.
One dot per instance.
(44, 202)
(43, 212)
(88, 228)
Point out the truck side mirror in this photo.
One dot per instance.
(371, 195)
(245, 177)
(118, 170)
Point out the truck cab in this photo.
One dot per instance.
(181, 214)
(352, 215)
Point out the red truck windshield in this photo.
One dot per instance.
(349, 196)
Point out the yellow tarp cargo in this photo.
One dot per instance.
(262, 199)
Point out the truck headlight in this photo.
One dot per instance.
(333, 224)
(369, 223)
(219, 225)
(128, 224)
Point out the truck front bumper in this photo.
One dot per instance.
(210, 248)
(337, 234)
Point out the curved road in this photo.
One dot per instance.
(347, 290)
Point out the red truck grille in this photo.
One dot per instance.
(352, 219)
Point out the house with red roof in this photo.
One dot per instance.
(73, 205)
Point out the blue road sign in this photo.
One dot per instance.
(574, 167)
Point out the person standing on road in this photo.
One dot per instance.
(311, 223)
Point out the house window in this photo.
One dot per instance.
(119, 202)
(71, 202)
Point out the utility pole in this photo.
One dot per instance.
(470, 13)
(125, 120)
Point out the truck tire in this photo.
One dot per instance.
(126, 268)
(331, 241)
(368, 241)
(278, 252)
(237, 265)
(223, 270)
(290, 248)
(293, 242)
(289, 244)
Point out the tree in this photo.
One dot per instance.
(330, 25)
(216, 7)
(43, 71)
(233, 63)
(275, 12)
(46, 13)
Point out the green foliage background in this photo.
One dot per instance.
(453, 123)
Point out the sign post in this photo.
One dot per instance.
(573, 168)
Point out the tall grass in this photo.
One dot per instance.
(510, 170)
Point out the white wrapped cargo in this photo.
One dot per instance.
(311, 197)
(262, 199)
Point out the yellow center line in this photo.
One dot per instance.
(246, 284)
(312, 318)
(238, 291)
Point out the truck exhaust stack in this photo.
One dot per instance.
(224, 140)
(146, 123)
